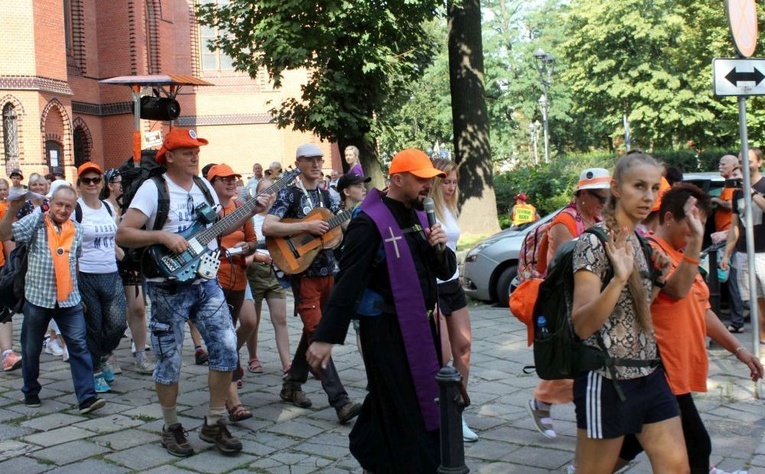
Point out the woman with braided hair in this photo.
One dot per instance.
(614, 285)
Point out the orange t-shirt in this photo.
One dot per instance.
(232, 275)
(723, 216)
(3, 209)
(681, 330)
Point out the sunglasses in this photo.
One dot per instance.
(601, 199)
(96, 180)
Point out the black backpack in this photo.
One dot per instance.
(132, 178)
(78, 210)
(13, 276)
(560, 354)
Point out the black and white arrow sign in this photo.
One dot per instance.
(737, 77)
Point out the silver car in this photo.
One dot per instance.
(492, 264)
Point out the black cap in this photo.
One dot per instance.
(16, 171)
(350, 179)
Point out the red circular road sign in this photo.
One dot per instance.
(742, 19)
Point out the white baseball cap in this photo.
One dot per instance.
(594, 178)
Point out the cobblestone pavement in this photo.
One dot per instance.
(281, 438)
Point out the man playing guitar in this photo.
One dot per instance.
(311, 288)
(172, 304)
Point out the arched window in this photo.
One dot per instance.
(81, 148)
(10, 136)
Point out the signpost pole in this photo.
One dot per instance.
(749, 232)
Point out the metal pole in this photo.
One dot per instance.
(543, 100)
(452, 447)
(749, 232)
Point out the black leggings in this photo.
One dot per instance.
(697, 441)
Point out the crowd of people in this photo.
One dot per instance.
(394, 275)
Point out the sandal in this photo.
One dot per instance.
(238, 413)
(254, 366)
(735, 330)
(286, 371)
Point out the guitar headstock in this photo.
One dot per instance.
(286, 178)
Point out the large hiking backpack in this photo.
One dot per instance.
(560, 354)
(132, 178)
(532, 260)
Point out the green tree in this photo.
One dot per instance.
(360, 54)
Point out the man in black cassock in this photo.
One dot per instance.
(387, 280)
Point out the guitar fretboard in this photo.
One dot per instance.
(338, 219)
(207, 235)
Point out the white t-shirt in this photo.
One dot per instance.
(452, 229)
(182, 204)
(257, 221)
(99, 229)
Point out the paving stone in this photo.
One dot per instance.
(52, 421)
(296, 429)
(90, 465)
(108, 424)
(322, 450)
(12, 448)
(125, 439)
(69, 452)
(142, 457)
(58, 436)
(24, 464)
(212, 461)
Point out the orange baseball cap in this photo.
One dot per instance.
(89, 166)
(415, 162)
(221, 171)
(179, 138)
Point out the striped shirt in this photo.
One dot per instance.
(40, 286)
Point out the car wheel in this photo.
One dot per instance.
(503, 285)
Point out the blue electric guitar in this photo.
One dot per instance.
(198, 259)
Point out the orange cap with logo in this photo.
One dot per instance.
(89, 166)
(415, 162)
(179, 138)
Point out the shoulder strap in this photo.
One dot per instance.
(205, 190)
(108, 208)
(78, 213)
(163, 202)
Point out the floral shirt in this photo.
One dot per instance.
(622, 334)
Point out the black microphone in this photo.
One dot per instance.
(430, 211)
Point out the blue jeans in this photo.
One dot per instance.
(736, 305)
(71, 324)
(205, 305)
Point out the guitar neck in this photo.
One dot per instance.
(339, 218)
(207, 235)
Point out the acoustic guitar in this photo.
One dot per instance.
(295, 253)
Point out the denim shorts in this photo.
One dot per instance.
(206, 306)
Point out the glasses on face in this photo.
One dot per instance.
(227, 179)
(86, 181)
(601, 199)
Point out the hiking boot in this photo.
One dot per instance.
(91, 404)
(348, 412)
(175, 441)
(296, 397)
(541, 418)
(32, 401)
(221, 436)
(200, 356)
(11, 361)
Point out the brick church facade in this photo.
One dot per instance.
(56, 113)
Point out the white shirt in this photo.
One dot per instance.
(182, 203)
(452, 229)
(99, 229)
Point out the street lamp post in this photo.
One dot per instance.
(533, 129)
(544, 63)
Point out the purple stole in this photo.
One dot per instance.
(410, 306)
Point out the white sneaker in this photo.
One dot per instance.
(54, 348)
(570, 469)
(65, 355)
(144, 366)
(468, 435)
(714, 470)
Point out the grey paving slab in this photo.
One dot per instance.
(211, 461)
(144, 456)
(58, 436)
(24, 464)
(90, 465)
(52, 421)
(13, 448)
(126, 439)
(67, 453)
(108, 423)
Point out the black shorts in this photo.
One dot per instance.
(451, 297)
(600, 412)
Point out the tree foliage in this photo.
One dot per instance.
(360, 55)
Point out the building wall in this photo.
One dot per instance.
(53, 83)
